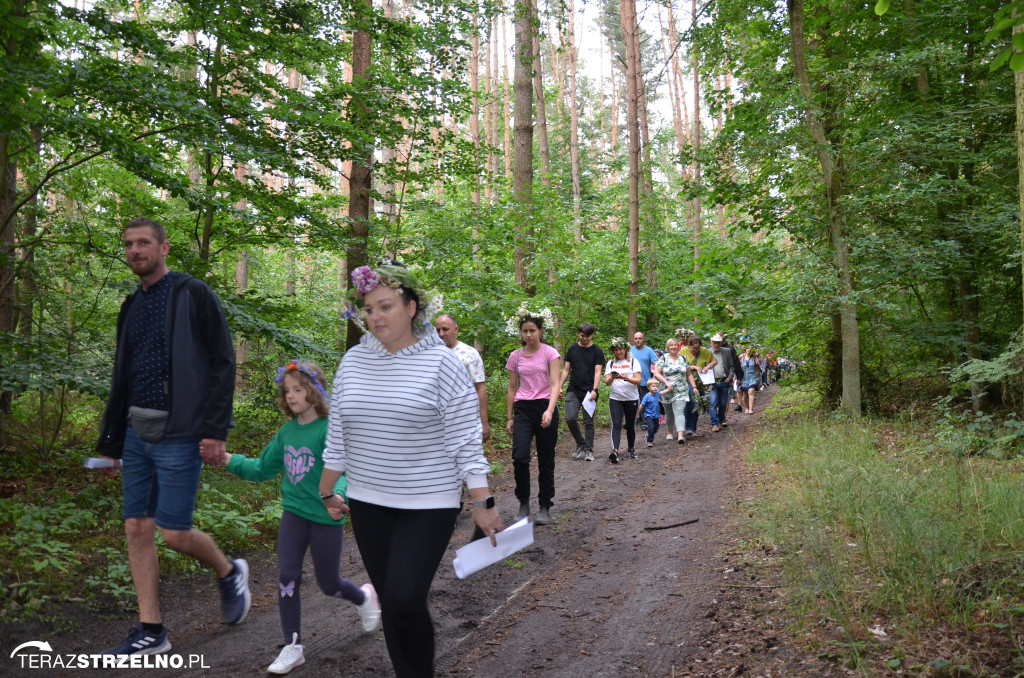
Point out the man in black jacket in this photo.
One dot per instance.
(171, 395)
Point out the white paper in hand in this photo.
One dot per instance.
(589, 405)
(478, 554)
(707, 378)
(98, 462)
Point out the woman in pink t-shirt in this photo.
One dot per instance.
(533, 413)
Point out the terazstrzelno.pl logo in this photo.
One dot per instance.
(37, 654)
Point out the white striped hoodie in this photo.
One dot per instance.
(405, 427)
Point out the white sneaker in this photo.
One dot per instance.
(668, 437)
(290, 657)
(369, 611)
(650, 444)
(590, 456)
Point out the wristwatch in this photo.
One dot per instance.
(487, 503)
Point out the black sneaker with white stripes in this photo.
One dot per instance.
(234, 593)
(141, 641)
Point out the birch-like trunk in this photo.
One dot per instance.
(627, 9)
(522, 175)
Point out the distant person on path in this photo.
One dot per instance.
(701, 360)
(646, 356)
(583, 363)
(532, 409)
(448, 330)
(296, 454)
(650, 409)
(622, 374)
(673, 370)
(172, 391)
(407, 449)
(751, 379)
(725, 373)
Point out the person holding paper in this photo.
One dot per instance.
(171, 394)
(532, 409)
(673, 370)
(404, 479)
(702, 363)
(583, 363)
(623, 375)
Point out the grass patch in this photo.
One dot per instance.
(876, 531)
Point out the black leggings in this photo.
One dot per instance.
(623, 412)
(293, 537)
(402, 549)
(525, 427)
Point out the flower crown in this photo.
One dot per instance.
(513, 322)
(299, 367)
(619, 342)
(395, 276)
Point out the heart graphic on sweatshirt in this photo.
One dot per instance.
(297, 463)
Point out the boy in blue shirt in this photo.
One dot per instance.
(651, 409)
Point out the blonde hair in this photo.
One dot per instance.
(315, 388)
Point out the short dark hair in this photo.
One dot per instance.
(159, 232)
(586, 328)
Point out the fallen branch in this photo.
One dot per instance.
(751, 586)
(665, 527)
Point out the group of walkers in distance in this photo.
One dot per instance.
(170, 408)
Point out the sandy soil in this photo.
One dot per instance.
(603, 592)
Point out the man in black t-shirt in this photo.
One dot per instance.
(583, 364)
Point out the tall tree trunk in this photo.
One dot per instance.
(362, 168)
(542, 116)
(1018, 89)
(504, 70)
(474, 112)
(488, 115)
(834, 189)
(8, 200)
(522, 176)
(627, 9)
(574, 120)
(696, 130)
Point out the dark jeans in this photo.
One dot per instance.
(525, 427)
(719, 397)
(294, 536)
(652, 426)
(401, 549)
(573, 409)
(692, 411)
(623, 412)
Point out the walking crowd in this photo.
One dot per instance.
(170, 408)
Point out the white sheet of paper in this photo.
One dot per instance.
(98, 462)
(478, 554)
(589, 405)
(707, 378)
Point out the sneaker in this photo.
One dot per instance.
(290, 657)
(691, 434)
(650, 444)
(614, 457)
(725, 424)
(544, 515)
(140, 641)
(739, 409)
(643, 425)
(369, 611)
(590, 456)
(234, 593)
(580, 451)
(631, 454)
(681, 439)
(668, 437)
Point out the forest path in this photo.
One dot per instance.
(597, 594)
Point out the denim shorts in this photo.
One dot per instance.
(160, 480)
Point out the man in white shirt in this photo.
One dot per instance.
(448, 330)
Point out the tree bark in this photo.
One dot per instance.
(574, 120)
(522, 175)
(362, 168)
(474, 111)
(627, 9)
(1018, 88)
(834, 189)
(542, 116)
(696, 132)
(504, 69)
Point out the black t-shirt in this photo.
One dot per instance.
(583, 361)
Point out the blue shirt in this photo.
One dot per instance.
(651, 405)
(149, 362)
(646, 357)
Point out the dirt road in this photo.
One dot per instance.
(598, 594)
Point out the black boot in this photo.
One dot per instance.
(543, 518)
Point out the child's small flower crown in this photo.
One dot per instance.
(366, 279)
(299, 367)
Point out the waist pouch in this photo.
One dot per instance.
(149, 424)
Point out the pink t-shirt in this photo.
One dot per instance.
(532, 371)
